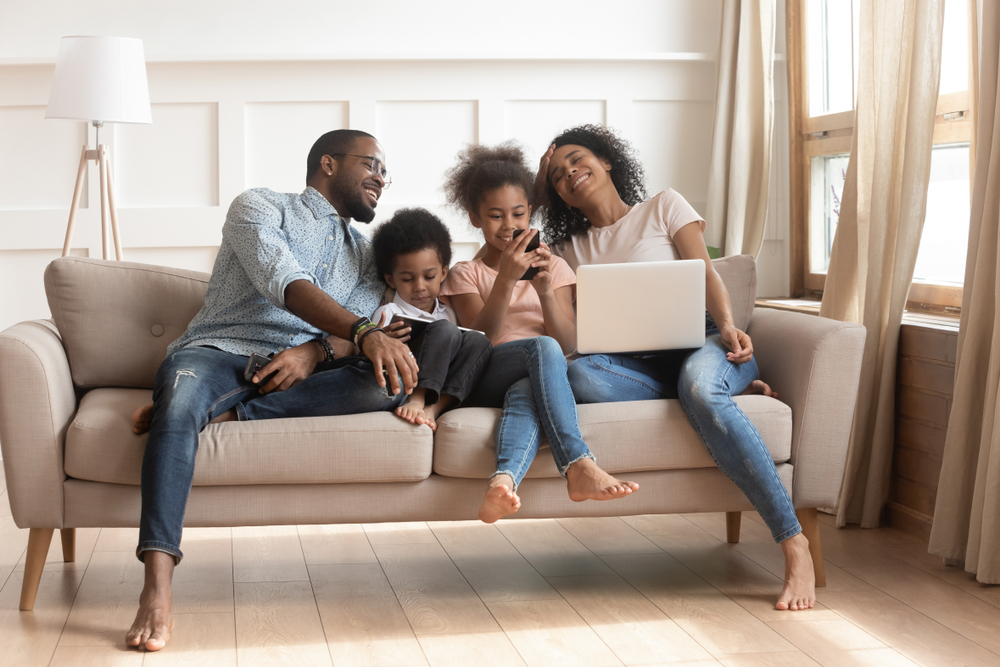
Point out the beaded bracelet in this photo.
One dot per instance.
(327, 349)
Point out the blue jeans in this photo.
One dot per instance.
(528, 378)
(193, 386)
(705, 381)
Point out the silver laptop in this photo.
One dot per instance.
(640, 306)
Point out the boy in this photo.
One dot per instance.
(413, 251)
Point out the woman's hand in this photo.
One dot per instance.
(739, 344)
(290, 367)
(542, 282)
(398, 330)
(542, 177)
(514, 261)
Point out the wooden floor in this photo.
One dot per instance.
(651, 590)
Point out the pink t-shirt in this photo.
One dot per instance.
(524, 315)
(644, 234)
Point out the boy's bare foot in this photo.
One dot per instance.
(760, 387)
(499, 501)
(799, 591)
(415, 414)
(141, 419)
(586, 481)
(155, 619)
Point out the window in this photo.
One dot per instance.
(823, 75)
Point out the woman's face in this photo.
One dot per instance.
(577, 174)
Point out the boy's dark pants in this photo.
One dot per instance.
(451, 361)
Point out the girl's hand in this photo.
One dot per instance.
(542, 177)
(740, 345)
(542, 282)
(514, 261)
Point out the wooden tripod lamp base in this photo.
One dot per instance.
(108, 211)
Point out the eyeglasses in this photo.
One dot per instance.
(375, 167)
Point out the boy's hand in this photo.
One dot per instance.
(514, 261)
(398, 330)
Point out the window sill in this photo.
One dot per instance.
(916, 318)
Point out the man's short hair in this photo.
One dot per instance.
(410, 230)
(332, 143)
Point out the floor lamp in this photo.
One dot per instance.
(99, 80)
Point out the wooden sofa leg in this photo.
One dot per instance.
(68, 536)
(809, 520)
(39, 540)
(733, 526)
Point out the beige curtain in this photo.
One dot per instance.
(967, 514)
(881, 217)
(741, 142)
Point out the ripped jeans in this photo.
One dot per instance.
(197, 384)
(705, 381)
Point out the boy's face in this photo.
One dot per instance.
(417, 278)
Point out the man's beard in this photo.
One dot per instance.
(353, 198)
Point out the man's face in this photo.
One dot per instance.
(357, 187)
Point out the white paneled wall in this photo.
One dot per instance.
(231, 113)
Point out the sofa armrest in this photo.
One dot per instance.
(37, 404)
(814, 364)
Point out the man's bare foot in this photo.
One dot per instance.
(760, 387)
(586, 481)
(500, 500)
(155, 619)
(799, 591)
(141, 419)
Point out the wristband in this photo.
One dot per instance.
(327, 349)
(355, 328)
(364, 334)
(361, 332)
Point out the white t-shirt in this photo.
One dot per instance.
(644, 234)
(399, 307)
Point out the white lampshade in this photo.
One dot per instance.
(100, 79)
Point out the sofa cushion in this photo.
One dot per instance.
(624, 437)
(739, 273)
(117, 318)
(374, 447)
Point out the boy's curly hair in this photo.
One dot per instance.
(410, 230)
(560, 222)
(481, 169)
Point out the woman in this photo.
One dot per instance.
(598, 213)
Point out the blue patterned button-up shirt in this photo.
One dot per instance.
(268, 241)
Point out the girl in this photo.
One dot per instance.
(531, 325)
(598, 213)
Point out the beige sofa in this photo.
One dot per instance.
(68, 388)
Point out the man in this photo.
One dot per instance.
(294, 279)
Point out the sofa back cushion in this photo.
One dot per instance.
(117, 318)
(739, 273)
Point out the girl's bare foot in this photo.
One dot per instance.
(799, 591)
(760, 387)
(500, 500)
(586, 481)
(141, 419)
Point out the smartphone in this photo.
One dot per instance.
(532, 245)
(416, 326)
(257, 362)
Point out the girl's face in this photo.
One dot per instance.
(578, 175)
(501, 211)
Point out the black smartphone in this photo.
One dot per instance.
(532, 245)
(416, 326)
(257, 362)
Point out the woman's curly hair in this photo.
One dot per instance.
(482, 169)
(560, 221)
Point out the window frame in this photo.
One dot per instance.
(831, 134)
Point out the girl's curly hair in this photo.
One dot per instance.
(560, 221)
(481, 169)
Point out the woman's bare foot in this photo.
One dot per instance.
(141, 419)
(586, 481)
(500, 500)
(799, 591)
(154, 622)
(760, 387)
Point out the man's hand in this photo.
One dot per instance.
(391, 358)
(341, 347)
(739, 343)
(292, 365)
